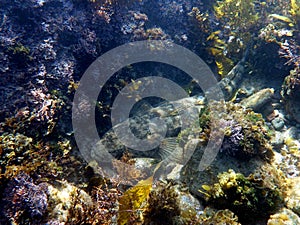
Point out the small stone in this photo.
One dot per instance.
(277, 140)
(278, 123)
(292, 132)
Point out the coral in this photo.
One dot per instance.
(23, 201)
(245, 132)
(246, 197)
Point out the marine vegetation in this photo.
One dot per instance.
(19, 54)
(133, 202)
(164, 202)
(247, 197)
(24, 202)
(245, 132)
(290, 50)
(238, 21)
(237, 25)
(163, 206)
(295, 11)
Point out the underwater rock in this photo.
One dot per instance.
(245, 133)
(218, 217)
(23, 201)
(277, 140)
(290, 93)
(67, 203)
(284, 217)
(288, 160)
(293, 195)
(278, 123)
(259, 100)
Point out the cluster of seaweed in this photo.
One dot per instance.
(245, 196)
(290, 50)
(245, 132)
(23, 201)
(232, 27)
(159, 203)
(162, 205)
(238, 23)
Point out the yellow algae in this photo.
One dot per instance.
(206, 187)
(133, 201)
(280, 17)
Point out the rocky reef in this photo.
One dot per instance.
(253, 49)
(245, 132)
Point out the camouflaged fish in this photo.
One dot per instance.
(145, 127)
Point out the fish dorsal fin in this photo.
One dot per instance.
(141, 108)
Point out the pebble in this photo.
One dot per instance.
(278, 123)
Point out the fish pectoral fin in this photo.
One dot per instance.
(168, 147)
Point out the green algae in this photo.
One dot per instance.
(246, 197)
